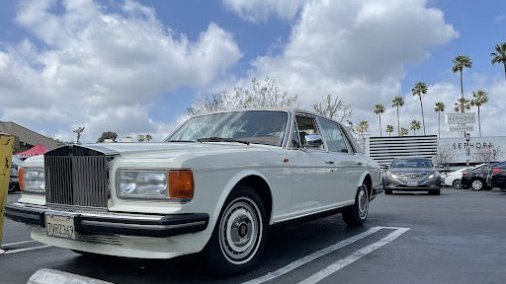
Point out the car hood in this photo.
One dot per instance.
(412, 170)
(163, 150)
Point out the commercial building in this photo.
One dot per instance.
(24, 137)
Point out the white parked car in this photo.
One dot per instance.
(215, 186)
(454, 178)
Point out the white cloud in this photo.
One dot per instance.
(103, 69)
(357, 49)
(261, 10)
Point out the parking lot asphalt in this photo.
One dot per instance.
(458, 237)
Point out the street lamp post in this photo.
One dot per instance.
(467, 135)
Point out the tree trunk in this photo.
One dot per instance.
(479, 121)
(461, 85)
(398, 123)
(423, 118)
(439, 125)
(504, 63)
(381, 130)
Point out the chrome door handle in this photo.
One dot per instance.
(329, 162)
(359, 163)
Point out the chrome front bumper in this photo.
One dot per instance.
(114, 223)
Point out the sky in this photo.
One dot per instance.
(134, 67)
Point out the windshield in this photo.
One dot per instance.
(259, 127)
(411, 163)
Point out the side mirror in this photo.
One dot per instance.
(313, 141)
(384, 167)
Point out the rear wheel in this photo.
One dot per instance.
(457, 184)
(239, 236)
(356, 215)
(477, 184)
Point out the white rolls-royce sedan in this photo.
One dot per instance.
(214, 186)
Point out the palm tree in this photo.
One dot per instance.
(403, 132)
(459, 63)
(362, 128)
(462, 104)
(148, 137)
(480, 98)
(415, 125)
(440, 107)
(500, 55)
(379, 109)
(419, 90)
(390, 129)
(398, 102)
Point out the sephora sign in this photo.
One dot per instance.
(477, 150)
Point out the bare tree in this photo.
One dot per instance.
(488, 154)
(333, 107)
(444, 155)
(265, 94)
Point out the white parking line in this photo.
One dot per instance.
(26, 249)
(17, 244)
(340, 264)
(283, 270)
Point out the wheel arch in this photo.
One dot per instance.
(366, 179)
(257, 182)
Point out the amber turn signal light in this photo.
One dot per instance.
(181, 184)
(21, 179)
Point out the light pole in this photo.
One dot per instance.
(467, 135)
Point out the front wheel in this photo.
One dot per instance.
(356, 215)
(239, 236)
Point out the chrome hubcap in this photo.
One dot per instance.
(363, 203)
(477, 185)
(240, 230)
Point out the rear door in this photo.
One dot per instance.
(348, 168)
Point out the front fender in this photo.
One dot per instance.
(228, 188)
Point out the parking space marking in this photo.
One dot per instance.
(17, 244)
(283, 270)
(26, 249)
(340, 264)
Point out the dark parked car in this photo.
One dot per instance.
(412, 174)
(476, 178)
(497, 176)
(13, 180)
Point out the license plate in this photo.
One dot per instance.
(412, 183)
(61, 226)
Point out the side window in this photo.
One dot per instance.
(306, 126)
(295, 137)
(332, 134)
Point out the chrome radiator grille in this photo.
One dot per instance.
(77, 180)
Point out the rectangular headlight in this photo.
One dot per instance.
(150, 184)
(32, 180)
(155, 184)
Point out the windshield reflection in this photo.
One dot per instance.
(258, 127)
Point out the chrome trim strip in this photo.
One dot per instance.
(140, 226)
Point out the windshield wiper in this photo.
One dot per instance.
(221, 139)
